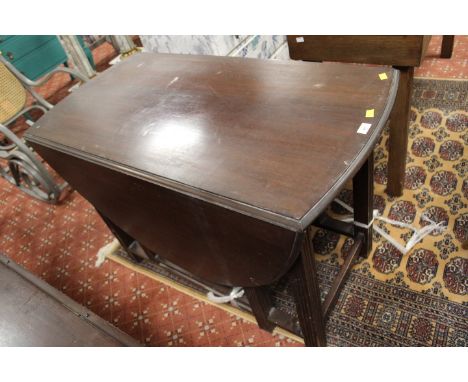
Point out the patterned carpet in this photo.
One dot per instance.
(436, 185)
(423, 296)
(390, 299)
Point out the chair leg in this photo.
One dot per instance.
(447, 46)
(399, 121)
(25, 170)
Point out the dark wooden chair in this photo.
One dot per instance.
(402, 52)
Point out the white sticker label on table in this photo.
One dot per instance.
(299, 39)
(364, 128)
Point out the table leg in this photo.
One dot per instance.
(399, 121)
(307, 295)
(124, 239)
(260, 302)
(447, 46)
(342, 275)
(363, 196)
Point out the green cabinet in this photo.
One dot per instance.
(35, 55)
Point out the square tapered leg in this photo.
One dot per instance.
(363, 196)
(124, 239)
(260, 303)
(307, 296)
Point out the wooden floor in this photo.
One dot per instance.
(30, 316)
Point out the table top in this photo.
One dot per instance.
(270, 139)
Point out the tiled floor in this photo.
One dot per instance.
(59, 243)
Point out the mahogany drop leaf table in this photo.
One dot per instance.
(220, 165)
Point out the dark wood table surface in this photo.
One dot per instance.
(250, 135)
(219, 164)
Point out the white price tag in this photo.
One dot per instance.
(299, 39)
(364, 128)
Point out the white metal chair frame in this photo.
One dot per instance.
(24, 168)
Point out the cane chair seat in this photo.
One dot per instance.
(12, 95)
